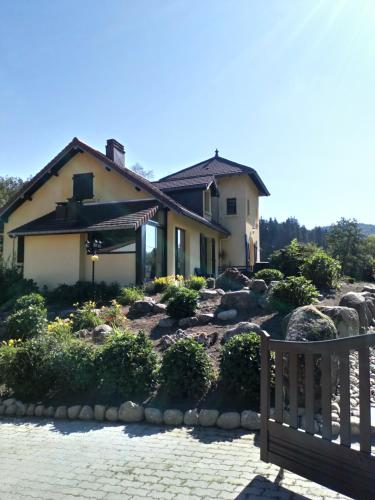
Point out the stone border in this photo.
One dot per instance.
(130, 412)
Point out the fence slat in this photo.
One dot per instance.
(293, 380)
(345, 431)
(279, 385)
(309, 393)
(364, 400)
(326, 396)
(264, 395)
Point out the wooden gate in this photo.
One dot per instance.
(288, 374)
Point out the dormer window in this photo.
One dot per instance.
(83, 186)
(207, 202)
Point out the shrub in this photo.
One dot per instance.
(183, 303)
(195, 282)
(61, 328)
(85, 316)
(269, 275)
(186, 369)
(294, 291)
(162, 283)
(112, 315)
(290, 259)
(169, 293)
(13, 285)
(29, 317)
(44, 365)
(129, 295)
(127, 365)
(83, 291)
(240, 366)
(324, 271)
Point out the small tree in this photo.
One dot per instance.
(324, 271)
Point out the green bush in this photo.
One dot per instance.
(294, 291)
(83, 291)
(13, 285)
(127, 365)
(29, 317)
(85, 316)
(240, 366)
(44, 365)
(129, 295)
(169, 293)
(290, 259)
(324, 271)
(195, 283)
(269, 275)
(186, 369)
(183, 303)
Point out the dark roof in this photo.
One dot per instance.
(75, 147)
(173, 184)
(93, 217)
(217, 167)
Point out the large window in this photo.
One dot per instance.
(154, 251)
(83, 186)
(180, 251)
(231, 206)
(20, 249)
(207, 202)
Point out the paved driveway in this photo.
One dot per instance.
(41, 459)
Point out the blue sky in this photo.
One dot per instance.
(287, 87)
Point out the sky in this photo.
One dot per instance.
(286, 87)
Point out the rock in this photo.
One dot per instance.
(2, 409)
(232, 279)
(210, 282)
(153, 416)
(20, 409)
(9, 401)
(208, 418)
(111, 414)
(39, 410)
(243, 327)
(167, 322)
(173, 417)
(74, 411)
(370, 307)
(335, 407)
(205, 318)
(345, 319)
(101, 331)
(10, 410)
(191, 417)
(242, 300)
(229, 420)
(369, 288)
(141, 307)
(208, 294)
(83, 334)
(99, 412)
(228, 315)
(30, 410)
(49, 412)
(61, 412)
(220, 291)
(159, 308)
(205, 338)
(250, 420)
(335, 429)
(188, 322)
(307, 323)
(86, 413)
(131, 412)
(358, 302)
(355, 426)
(258, 286)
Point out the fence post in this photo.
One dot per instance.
(264, 394)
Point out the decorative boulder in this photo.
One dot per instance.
(20, 409)
(208, 418)
(100, 332)
(30, 410)
(141, 307)
(173, 417)
(111, 414)
(243, 327)
(61, 412)
(232, 279)
(358, 302)
(228, 315)
(99, 412)
(2, 409)
(9, 401)
(131, 412)
(167, 322)
(188, 322)
(229, 420)
(208, 294)
(242, 300)
(210, 282)
(153, 416)
(159, 308)
(205, 318)
(345, 319)
(10, 410)
(258, 286)
(86, 413)
(49, 412)
(250, 420)
(74, 411)
(191, 417)
(39, 410)
(369, 288)
(307, 323)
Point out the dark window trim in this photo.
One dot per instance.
(20, 249)
(232, 201)
(88, 189)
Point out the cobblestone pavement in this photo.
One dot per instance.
(63, 460)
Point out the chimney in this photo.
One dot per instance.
(115, 152)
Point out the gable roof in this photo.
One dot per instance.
(215, 167)
(201, 182)
(77, 146)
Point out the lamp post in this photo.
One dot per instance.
(92, 246)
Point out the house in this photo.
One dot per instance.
(193, 221)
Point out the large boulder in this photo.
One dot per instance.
(243, 327)
(307, 323)
(229, 420)
(358, 302)
(345, 319)
(258, 286)
(141, 307)
(240, 300)
(369, 288)
(131, 412)
(227, 315)
(208, 294)
(232, 279)
(100, 332)
(188, 322)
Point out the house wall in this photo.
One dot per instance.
(107, 186)
(193, 230)
(111, 268)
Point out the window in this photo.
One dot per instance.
(248, 207)
(180, 251)
(154, 251)
(231, 206)
(20, 249)
(83, 186)
(207, 202)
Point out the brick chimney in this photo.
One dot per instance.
(115, 152)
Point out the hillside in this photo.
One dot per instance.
(367, 229)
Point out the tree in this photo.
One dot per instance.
(8, 187)
(138, 169)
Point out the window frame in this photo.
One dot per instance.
(231, 200)
(79, 193)
(178, 271)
